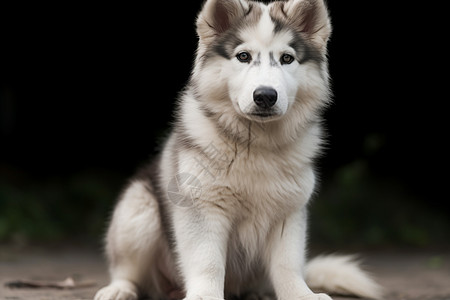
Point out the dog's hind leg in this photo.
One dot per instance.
(133, 240)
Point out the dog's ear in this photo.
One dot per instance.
(309, 17)
(217, 16)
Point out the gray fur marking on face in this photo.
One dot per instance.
(225, 43)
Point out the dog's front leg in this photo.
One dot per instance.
(201, 237)
(287, 257)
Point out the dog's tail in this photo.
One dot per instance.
(341, 275)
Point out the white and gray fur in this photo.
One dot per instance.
(222, 212)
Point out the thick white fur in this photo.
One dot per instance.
(245, 233)
(341, 275)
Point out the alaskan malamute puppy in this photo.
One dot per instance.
(221, 214)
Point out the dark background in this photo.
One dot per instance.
(86, 95)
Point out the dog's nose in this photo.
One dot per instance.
(265, 97)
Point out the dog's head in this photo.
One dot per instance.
(265, 59)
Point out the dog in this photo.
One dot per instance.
(222, 211)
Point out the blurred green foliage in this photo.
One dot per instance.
(354, 207)
(56, 208)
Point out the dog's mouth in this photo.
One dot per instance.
(264, 116)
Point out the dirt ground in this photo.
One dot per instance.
(404, 275)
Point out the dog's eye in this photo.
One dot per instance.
(244, 57)
(286, 59)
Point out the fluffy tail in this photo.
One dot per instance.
(341, 275)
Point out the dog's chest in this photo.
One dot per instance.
(255, 189)
(265, 189)
(267, 182)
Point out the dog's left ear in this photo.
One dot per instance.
(217, 16)
(310, 18)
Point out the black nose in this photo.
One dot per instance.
(265, 97)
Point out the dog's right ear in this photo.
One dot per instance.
(217, 16)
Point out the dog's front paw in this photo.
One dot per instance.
(316, 297)
(117, 291)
